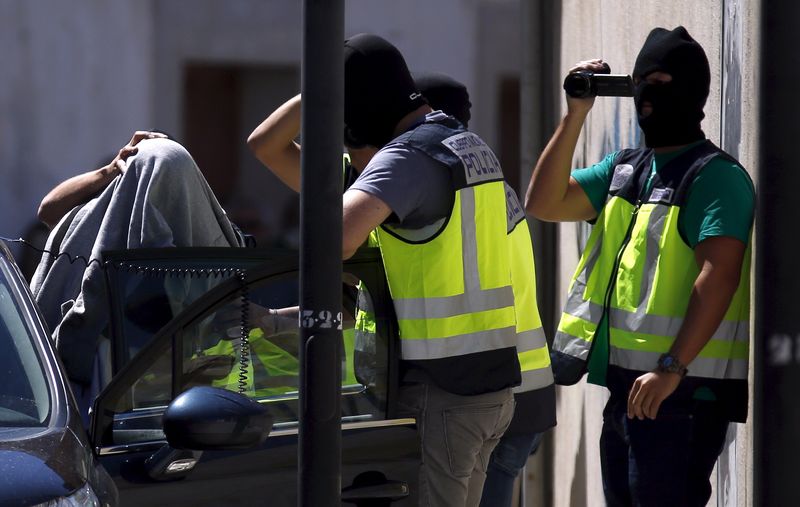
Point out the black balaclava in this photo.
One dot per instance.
(677, 105)
(378, 90)
(445, 93)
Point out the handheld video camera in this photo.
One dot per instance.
(585, 84)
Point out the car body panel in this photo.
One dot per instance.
(53, 459)
(374, 442)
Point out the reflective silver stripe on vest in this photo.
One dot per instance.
(591, 260)
(639, 321)
(660, 325)
(581, 309)
(531, 340)
(534, 379)
(700, 367)
(473, 299)
(438, 348)
(572, 345)
(655, 230)
(576, 305)
(469, 241)
(435, 308)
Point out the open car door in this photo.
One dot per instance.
(177, 320)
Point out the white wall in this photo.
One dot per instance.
(74, 86)
(81, 75)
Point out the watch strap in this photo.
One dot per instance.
(668, 363)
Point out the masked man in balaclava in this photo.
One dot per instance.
(658, 309)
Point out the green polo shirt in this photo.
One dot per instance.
(720, 202)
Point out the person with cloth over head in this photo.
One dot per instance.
(658, 309)
(151, 195)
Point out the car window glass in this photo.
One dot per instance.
(138, 410)
(208, 352)
(24, 394)
(270, 368)
(212, 344)
(148, 296)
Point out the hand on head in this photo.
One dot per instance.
(129, 149)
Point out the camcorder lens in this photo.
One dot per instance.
(578, 85)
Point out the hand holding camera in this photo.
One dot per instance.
(593, 78)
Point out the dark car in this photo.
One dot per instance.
(45, 456)
(174, 334)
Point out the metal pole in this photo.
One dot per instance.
(777, 329)
(322, 88)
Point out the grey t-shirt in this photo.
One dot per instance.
(416, 187)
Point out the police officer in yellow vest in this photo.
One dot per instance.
(436, 194)
(535, 397)
(659, 304)
(273, 144)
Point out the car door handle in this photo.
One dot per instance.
(389, 490)
(170, 464)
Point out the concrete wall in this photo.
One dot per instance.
(81, 76)
(75, 85)
(614, 30)
(269, 32)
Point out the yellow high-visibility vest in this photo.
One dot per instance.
(450, 282)
(532, 351)
(638, 271)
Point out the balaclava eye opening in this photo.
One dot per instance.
(378, 90)
(677, 106)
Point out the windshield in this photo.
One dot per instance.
(24, 396)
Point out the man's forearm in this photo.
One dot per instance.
(547, 195)
(74, 191)
(272, 142)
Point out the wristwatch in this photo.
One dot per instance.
(668, 363)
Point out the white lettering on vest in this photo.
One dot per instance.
(480, 162)
(514, 211)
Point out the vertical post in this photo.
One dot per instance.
(777, 329)
(322, 88)
(540, 94)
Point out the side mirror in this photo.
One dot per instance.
(211, 418)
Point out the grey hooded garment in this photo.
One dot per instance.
(162, 200)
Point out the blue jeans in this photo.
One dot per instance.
(663, 461)
(508, 458)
